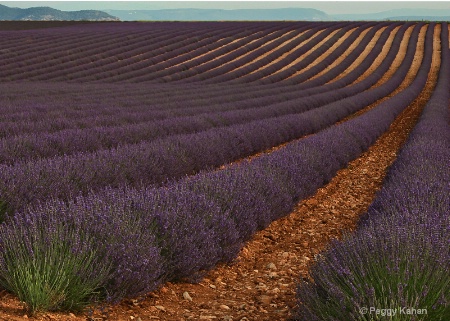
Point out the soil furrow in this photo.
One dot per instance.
(309, 52)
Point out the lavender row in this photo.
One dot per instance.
(248, 72)
(127, 89)
(109, 178)
(209, 61)
(183, 54)
(177, 156)
(226, 77)
(123, 114)
(134, 32)
(58, 48)
(234, 90)
(222, 73)
(232, 64)
(86, 44)
(264, 29)
(98, 57)
(163, 41)
(302, 78)
(399, 253)
(127, 32)
(266, 75)
(144, 237)
(167, 46)
(70, 141)
(157, 57)
(11, 42)
(192, 59)
(193, 62)
(74, 63)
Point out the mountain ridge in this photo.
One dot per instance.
(191, 14)
(50, 14)
(396, 14)
(306, 14)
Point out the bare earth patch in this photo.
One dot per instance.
(314, 48)
(366, 52)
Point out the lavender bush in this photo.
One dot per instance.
(386, 265)
(88, 246)
(51, 263)
(398, 259)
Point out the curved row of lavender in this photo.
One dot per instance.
(32, 126)
(154, 101)
(243, 56)
(169, 57)
(276, 71)
(122, 242)
(161, 56)
(15, 123)
(157, 162)
(163, 123)
(220, 96)
(143, 60)
(104, 55)
(219, 91)
(102, 42)
(237, 50)
(398, 259)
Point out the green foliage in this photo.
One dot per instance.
(52, 268)
(390, 274)
(3, 211)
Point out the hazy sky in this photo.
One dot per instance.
(330, 7)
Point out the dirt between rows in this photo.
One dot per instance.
(260, 284)
(347, 52)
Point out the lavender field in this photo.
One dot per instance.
(123, 155)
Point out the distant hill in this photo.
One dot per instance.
(398, 14)
(295, 14)
(420, 18)
(50, 14)
(221, 14)
(275, 14)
